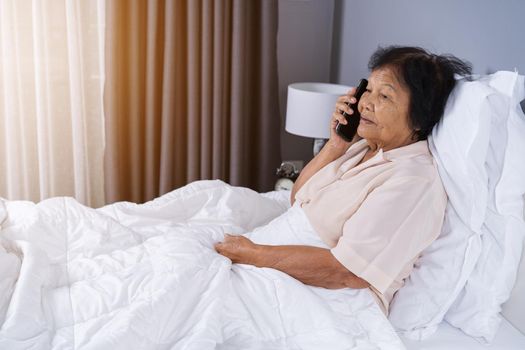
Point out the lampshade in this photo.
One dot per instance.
(310, 107)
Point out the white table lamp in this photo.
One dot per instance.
(309, 109)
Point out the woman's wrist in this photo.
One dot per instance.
(336, 148)
(264, 256)
(260, 255)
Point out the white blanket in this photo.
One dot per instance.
(130, 276)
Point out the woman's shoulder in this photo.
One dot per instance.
(418, 172)
(418, 169)
(421, 182)
(414, 160)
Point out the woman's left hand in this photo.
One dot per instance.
(238, 249)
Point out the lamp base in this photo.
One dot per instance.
(318, 145)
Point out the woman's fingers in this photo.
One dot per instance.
(343, 107)
(348, 98)
(340, 108)
(238, 249)
(233, 243)
(337, 117)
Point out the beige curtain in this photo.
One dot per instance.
(191, 94)
(51, 106)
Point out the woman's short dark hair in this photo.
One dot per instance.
(430, 78)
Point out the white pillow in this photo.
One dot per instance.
(511, 187)
(477, 309)
(459, 144)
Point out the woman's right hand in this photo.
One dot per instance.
(341, 105)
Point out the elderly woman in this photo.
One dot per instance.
(378, 201)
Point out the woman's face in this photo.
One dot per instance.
(384, 111)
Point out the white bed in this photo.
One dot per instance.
(130, 276)
(509, 336)
(75, 292)
(450, 338)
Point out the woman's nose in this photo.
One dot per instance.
(366, 103)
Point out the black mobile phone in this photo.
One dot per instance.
(347, 131)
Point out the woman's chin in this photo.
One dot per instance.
(363, 131)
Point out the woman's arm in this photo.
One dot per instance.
(310, 265)
(334, 148)
(330, 152)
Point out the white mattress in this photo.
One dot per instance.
(451, 338)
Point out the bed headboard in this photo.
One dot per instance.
(514, 308)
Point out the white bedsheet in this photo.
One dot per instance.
(451, 338)
(130, 276)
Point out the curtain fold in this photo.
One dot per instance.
(51, 111)
(191, 93)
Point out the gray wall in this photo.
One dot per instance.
(488, 33)
(331, 41)
(304, 47)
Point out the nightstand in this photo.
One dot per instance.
(288, 173)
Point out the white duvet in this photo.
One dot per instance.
(130, 276)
